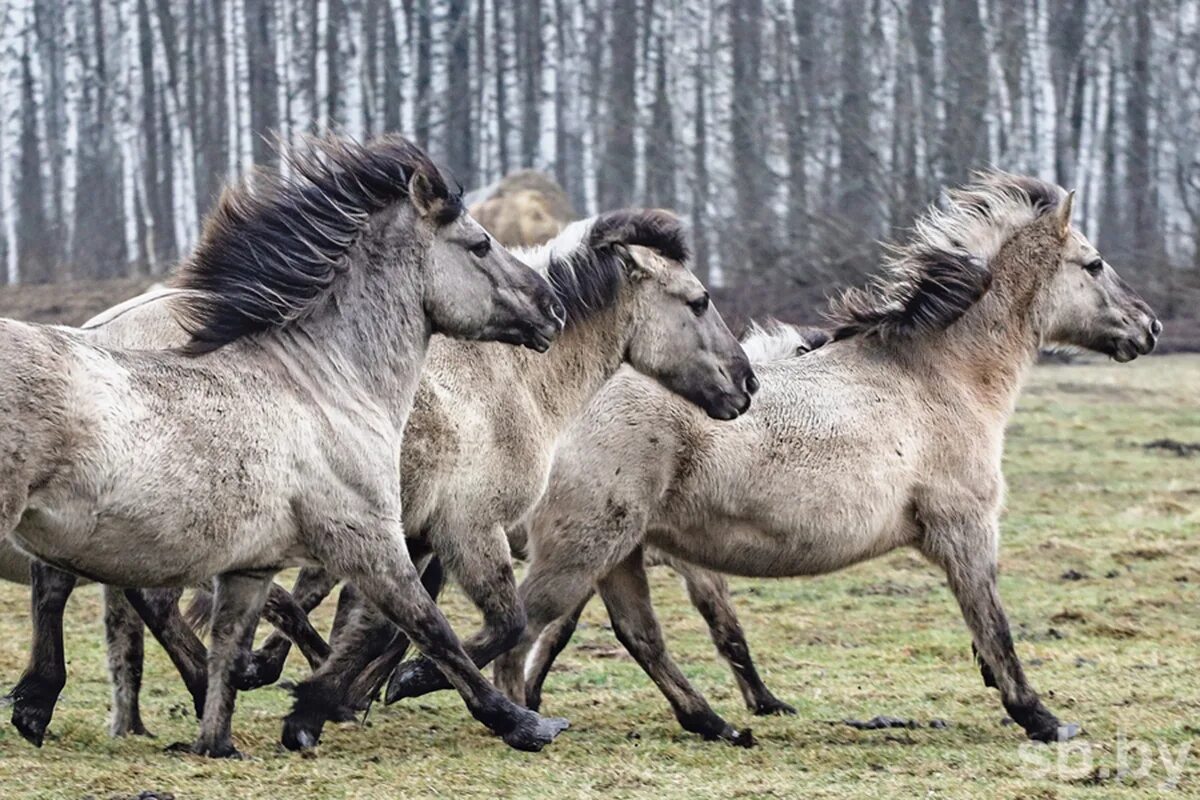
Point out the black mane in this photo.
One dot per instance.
(274, 244)
(589, 277)
(934, 278)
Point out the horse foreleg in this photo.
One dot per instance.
(549, 645)
(125, 635)
(237, 602)
(36, 693)
(379, 565)
(366, 685)
(967, 553)
(481, 563)
(709, 593)
(626, 594)
(289, 614)
(159, 609)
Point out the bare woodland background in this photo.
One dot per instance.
(793, 135)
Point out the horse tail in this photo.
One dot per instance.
(198, 614)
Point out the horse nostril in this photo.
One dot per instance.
(1156, 327)
(752, 383)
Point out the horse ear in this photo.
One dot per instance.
(424, 198)
(1063, 218)
(633, 267)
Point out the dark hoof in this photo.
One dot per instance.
(256, 673)
(1059, 733)
(774, 707)
(31, 722)
(739, 738)
(414, 679)
(208, 751)
(534, 732)
(300, 733)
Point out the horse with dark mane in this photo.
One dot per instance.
(889, 436)
(270, 436)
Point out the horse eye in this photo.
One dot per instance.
(1094, 267)
(699, 305)
(481, 249)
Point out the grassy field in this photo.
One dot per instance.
(1101, 576)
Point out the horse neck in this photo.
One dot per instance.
(995, 343)
(371, 339)
(584, 357)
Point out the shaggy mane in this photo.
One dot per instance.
(931, 280)
(774, 340)
(273, 246)
(585, 263)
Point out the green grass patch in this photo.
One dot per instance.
(1115, 650)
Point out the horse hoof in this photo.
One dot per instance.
(534, 732)
(31, 722)
(414, 679)
(740, 738)
(1060, 733)
(259, 672)
(226, 750)
(298, 736)
(774, 707)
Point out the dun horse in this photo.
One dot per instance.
(482, 432)
(163, 468)
(485, 425)
(891, 436)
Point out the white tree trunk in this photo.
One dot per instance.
(15, 17)
(354, 44)
(73, 70)
(321, 91)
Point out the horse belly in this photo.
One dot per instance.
(792, 544)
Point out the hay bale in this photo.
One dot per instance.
(525, 208)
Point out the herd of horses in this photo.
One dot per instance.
(284, 402)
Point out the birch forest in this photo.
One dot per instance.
(793, 134)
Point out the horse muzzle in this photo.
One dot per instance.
(1128, 348)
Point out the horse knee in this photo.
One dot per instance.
(510, 628)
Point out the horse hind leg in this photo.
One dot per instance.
(124, 634)
(545, 652)
(379, 565)
(481, 562)
(36, 693)
(288, 612)
(159, 609)
(709, 593)
(237, 603)
(366, 646)
(967, 554)
(626, 594)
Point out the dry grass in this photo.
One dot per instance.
(1115, 650)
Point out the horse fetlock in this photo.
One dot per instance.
(128, 726)
(709, 725)
(771, 706)
(1039, 723)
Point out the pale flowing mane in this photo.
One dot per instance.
(773, 340)
(274, 245)
(585, 263)
(931, 280)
